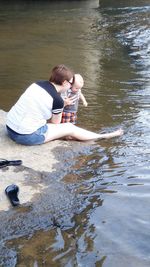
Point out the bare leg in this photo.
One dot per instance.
(57, 131)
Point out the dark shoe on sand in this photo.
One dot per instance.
(5, 163)
(12, 193)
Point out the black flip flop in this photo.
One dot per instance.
(5, 163)
(12, 193)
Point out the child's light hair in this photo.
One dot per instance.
(78, 81)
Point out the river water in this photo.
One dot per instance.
(110, 46)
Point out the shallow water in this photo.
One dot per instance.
(109, 46)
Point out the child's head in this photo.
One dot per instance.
(78, 83)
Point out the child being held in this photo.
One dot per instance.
(74, 93)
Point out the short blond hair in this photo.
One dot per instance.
(78, 80)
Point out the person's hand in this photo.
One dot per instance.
(85, 104)
(69, 100)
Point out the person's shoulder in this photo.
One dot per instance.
(31, 87)
(43, 83)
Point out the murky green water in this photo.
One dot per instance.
(110, 46)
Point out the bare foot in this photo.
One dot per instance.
(119, 132)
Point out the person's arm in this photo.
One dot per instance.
(82, 97)
(56, 118)
(57, 109)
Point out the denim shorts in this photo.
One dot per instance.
(36, 138)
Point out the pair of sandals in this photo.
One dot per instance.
(12, 190)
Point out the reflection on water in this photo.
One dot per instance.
(110, 46)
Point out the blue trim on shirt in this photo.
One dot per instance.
(58, 102)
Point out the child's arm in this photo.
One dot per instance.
(82, 97)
